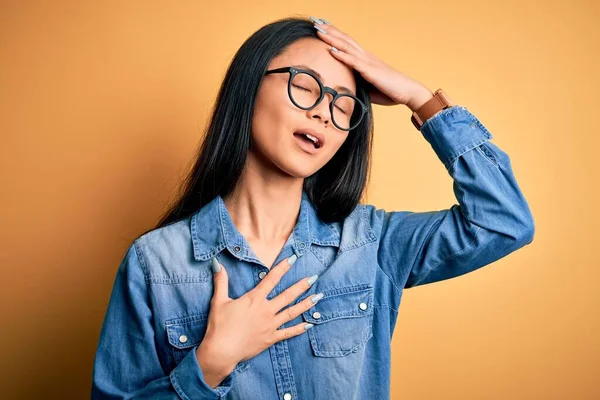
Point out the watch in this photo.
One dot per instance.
(439, 101)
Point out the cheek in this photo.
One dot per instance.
(270, 121)
(336, 142)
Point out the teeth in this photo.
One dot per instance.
(314, 139)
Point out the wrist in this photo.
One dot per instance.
(420, 96)
(214, 368)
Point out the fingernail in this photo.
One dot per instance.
(320, 30)
(325, 21)
(308, 326)
(215, 265)
(312, 279)
(316, 20)
(316, 297)
(292, 259)
(334, 49)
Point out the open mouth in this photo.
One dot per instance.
(308, 138)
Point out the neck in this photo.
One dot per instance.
(265, 203)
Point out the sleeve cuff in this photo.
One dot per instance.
(188, 380)
(454, 131)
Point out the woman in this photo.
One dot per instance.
(267, 279)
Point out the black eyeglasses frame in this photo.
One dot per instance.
(324, 89)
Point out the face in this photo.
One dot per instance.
(276, 119)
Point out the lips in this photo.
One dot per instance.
(319, 136)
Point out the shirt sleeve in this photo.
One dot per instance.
(126, 363)
(491, 219)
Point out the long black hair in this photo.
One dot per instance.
(334, 190)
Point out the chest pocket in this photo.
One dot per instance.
(186, 332)
(343, 321)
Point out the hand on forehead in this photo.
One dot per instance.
(314, 54)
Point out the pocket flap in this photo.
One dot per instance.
(186, 332)
(347, 302)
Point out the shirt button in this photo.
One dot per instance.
(183, 338)
(287, 396)
(363, 306)
(473, 125)
(302, 245)
(316, 315)
(237, 249)
(262, 274)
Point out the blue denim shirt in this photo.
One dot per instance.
(159, 305)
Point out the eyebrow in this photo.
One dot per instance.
(338, 88)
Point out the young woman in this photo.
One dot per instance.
(268, 279)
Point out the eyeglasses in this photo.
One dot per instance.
(306, 91)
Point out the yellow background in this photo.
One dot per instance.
(102, 107)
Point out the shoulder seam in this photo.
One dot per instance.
(137, 248)
(378, 241)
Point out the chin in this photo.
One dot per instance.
(299, 172)
(297, 169)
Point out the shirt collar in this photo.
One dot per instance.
(212, 230)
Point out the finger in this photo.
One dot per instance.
(291, 293)
(271, 280)
(293, 311)
(357, 63)
(220, 279)
(286, 333)
(333, 33)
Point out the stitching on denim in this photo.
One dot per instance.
(425, 241)
(177, 386)
(388, 306)
(317, 256)
(138, 250)
(489, 158)
(463, 150)
(366, 219)
(176, 279)
(287, 358)
(368, 335)
(390, 279)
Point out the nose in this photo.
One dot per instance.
(321, 110)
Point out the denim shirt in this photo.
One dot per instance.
(159, 305)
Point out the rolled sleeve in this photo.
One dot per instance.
(188, 380)
(453, 132)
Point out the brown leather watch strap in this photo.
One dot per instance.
(438, 102)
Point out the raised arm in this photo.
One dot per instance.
(491, 219)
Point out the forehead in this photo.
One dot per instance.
(309, 53)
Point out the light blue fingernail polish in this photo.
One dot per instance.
(316, 297)
(215, 265)
(312, 279)
(320, 30)
(334, 49)
(308, 326)
(292, 259)
(325, 21)
(316, 20)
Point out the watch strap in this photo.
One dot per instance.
(438, 102)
